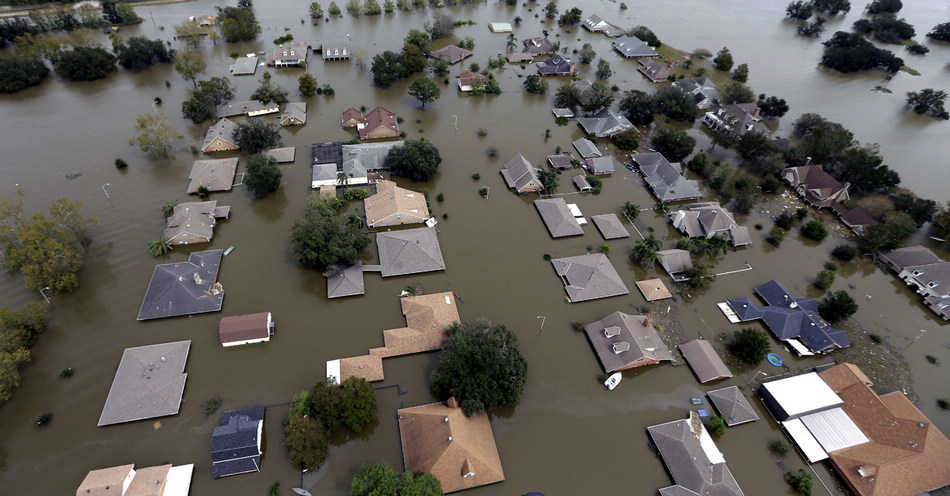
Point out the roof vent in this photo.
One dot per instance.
(450, 439)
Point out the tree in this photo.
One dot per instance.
(417, 160)
(738, 93)
(534, 84)
(587, 54)
(334, 9)
(723, 60)
(699, 276)
(189, 64)
(323, 238)
(940, 32)
(844, 252)
(812, 29)
(263, 176)
(238, 23)
(154, 136)
(799, 10)
(189, 32)
(307, 84)
(548, 180)
(928, 102)
(84, 64)
(353, 8)
(815, 230)
(644, 251)
(676, 104)
(550, 10)
(886, 28)
(750, 345)
(17, 73)
(371, 8)
(673, 143)
(357, 403)
(421, 40)
(638, 106)
(267, 93)
(424, 90)
(19, 329)
(628, 140)
(717, 425)
(382, 480)
(800, 482)
(480, 366)
(644, 34)
(837, 306)
(740, 73)
(511, 43)
(217, 90)
(387, 67)
(256, 135)
(439, 66)
(441, 26)
(140, 52)
(599, 96)
(850, 52)
(570, 17)
(316, 12)
(832, 7)
(755, 147)
(824, 279)
(603, 70)
(631, 210)
(48, 250)
(772, 107)
(305, 441)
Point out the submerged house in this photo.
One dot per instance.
(451, 53)
(595, 24)
(379, 123)
(193, 222)
(605, 123)
(184, 288)
(250, 108)
(736, 118)
(213, 174)
(468, 80)
(220, 137)
(295, 114)
(395, 206)
(538, 46)
(656, 72)
(521, 176)
(125, 480)
(923, 269)
(702, 89)
(557, 217)
(339, 51)
(675, 262)
(633, 47)
(236, 442)
(816, 186)
(556, 66)
(292, 54)
(246, 329)
(624, 341)
(709, 219)
(665, 179)
(589, 277)
(148, 383)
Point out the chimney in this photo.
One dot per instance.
(452, 402)
(756, 114)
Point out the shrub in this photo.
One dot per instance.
(837, 306)
(829, 265)
(66, 373)
(42, 419)
(750, 345)
(876, 338)
(211, 406)
(263, 176)
(943, 403)
(355, 194)
(815, 230)
(440, 197)
(483, 191)
(780, 447)
(845, 253)
(717, 425)
(476, 176)
(776, 236)
(824, 280)
(932, 360)
(120, 164)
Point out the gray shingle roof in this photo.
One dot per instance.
(149, 383)
(708, 219)
(688, 463)
(665, 179)
(555, 66)
(557, 217)
(733, 405)
(631, 46)
(601, 165)
(643, 344)
(588, 277)
(409, 251)
(610, 226)
(214, 174)
(345, 280)
(231, 109)
(674, 261)
(586, 148)
(235, 442)
(580, 181)
(244, 66)
(703, 359)
(223, 129)
(520, 175)
(296, 111)
(184, 288)
(605, 123)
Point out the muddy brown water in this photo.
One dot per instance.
(567, 435)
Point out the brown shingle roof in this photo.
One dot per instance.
(460, 451)
(654, 289)
(351, 117)
(451, 53)
(244, 327)
(703, 359)
(214, 174)
(105, 481)
(906, 455)
(149, 481)
(428, 317)
(369, 367)
(395, 206)
(379, 123)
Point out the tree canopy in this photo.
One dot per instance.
(256, 135)
(723, 60)
(750, 345)
(850, 52)
(238, 23)
(481, 366)
(675, 103)
(534, 84)
(323, 237)
(424, 90)
(84, 64)
(19, 329)
(673, 143)
(268, 92)
(383, 480)
(263, 176)
(638, 106)
(837, 306)
(140, 52)
(928, 102)
(154, 136)
(417, 160)
(190, 64)
(18, 73)
(940, 32)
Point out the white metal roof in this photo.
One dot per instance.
(833, 429)
(333, 370)
(799, 348)
(801, 394)
(709, 447)
(178, 482)
(805, 441)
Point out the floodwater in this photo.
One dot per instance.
(567, 435)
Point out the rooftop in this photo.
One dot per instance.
(557, 217)
(733, 405)
(654, 289)
(184, 288)
(252, 326)
(610, 226)
(395, 206)
(520, 175)
(692, 458)
(624, 341)
(345, 280)
(703, 359)
(451, 53)
(589, 277)
(666, 179)
(148, 383)
(408, 251)
(213, 174)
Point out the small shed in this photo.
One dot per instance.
(654, 289)
(246, 329)
(580, 181)
(499, 27)
(705, 362)
(562, 112)
(733, 405)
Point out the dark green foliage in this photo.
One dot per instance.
(263, 176)
(603, 70)
(889, 234)
(67, 373)
(19, 329)
(829, 265)
(84, 64)
(274, 489)
(780, 447)
(850, 52)
(815, 230)
(548, 178)
(745, 193)
(723, 60)
(772, 107)
(596, 184)
(928, 102)
(943, 403)
(676, 104)
(646, 35)
(480, 366)
(639, 107)
(800, 482)
(799, 10)
(17, 73)
(305, 442)
(256, 135)
(417, 160)
(750, 345)
(42, 419)
(570, 17)
(323, 238)
(837, 306)
(628, 140)
(825, 279)
(267, 93)
(357, 403)
(424, 90)
(832, 7)
(238, 23)
(598, 97)
(140, 52)
(439, 66)
(197, 109)
(699, 276)
(770, 184)
(785, 220)
(211, 406)
(886, 28)
(702, 165)
(776, 236)
(755, 146)
(356, 194)
(673, 143)
(534, 84)
(738, 92)
(940, 32)
(812, 29)
(717, 425)
(382, 480)
(918, 49)
(587, 54)
(14, 27)
(920, 209)
(932, 360)
(209, 94)
(884, 6)
(740, 73)
(389, 66)
(307, 84)
(550, 10)
(875, 338)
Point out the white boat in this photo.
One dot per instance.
(613, 380)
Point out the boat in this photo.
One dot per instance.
(613, 380)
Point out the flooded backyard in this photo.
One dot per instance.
(567, 435)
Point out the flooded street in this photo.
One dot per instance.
(567, 435)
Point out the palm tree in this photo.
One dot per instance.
(685, 243)
(159, 246)
(512, 42)
(630, 210)
(652, 242)
(717, 243)
(662, 207)
(701, 246)
(341, 178)
(644, 252)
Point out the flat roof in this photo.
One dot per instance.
(833, 429)
(802, 394)
(149, 383)
(805, 441)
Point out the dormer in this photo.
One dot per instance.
(620, 347)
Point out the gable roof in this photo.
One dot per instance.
(557, 217)
(816, 186)
(692, 458)
(379, 121)
(588, 277)
(595, 24)
(460, 451)
(148, 383)
(292, 53)
(586, 148)
(193, 222)
(246, 107)
(624, 341)
(520, 175)
(395, 206)
(582, 184)
(631, 46)
(739, 118)
(733, 405)
(610, 226)
(560, 161)
(409, 251)
(708, 219)
(345, 280)
(656, 72)
(175, 290)
(351, 117)
(214, 174)
(601, 165)
(224, 130)
(294, 112)
(451, 53)
(538, 46)
(906, 455)
(107, 481)
(605, 123)
(428, 320)
(674, 261)
(556, 66)
(703, 359)
(244, 327)
(665, 179)
(124, 480)
(236, 442)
